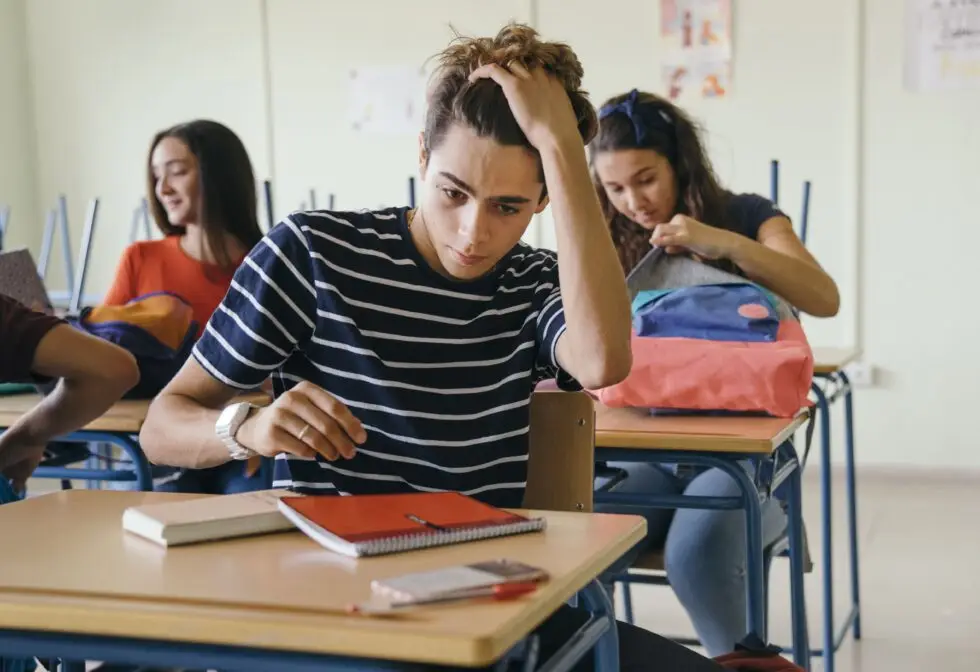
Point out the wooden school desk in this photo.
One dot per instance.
(827, 361)
(84, 589)
(830, 385)
(726, 443)
(118, 426)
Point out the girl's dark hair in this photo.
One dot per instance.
(481, 105)
(639, 120)
(226, 186)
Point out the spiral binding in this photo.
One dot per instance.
(429, 539)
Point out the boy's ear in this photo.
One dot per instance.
(423, 155)
(542, 204)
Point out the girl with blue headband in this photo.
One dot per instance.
(657, 188)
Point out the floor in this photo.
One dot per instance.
(920, 613)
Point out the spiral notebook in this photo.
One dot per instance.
(366, 525)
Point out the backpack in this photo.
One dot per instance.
(158, 329)
(705, 340)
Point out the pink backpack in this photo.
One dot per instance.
(707, 340)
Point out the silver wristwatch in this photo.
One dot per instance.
(227, 426)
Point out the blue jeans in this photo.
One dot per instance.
(704, 551)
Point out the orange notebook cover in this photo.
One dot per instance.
(364, 525)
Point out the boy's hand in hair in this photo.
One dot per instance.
(539, 102)
(685, 234)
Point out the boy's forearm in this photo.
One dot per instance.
(593, 288)
(179, 432)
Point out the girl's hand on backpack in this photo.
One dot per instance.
(685, 234)
(305, 421)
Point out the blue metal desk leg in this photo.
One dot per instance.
(596, 600)
(141, 466)
(144, 475)
(755, 571)
(852, 502)
(627, 602)
(801, 643)
(826, 511)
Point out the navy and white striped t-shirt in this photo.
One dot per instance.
(440, 373)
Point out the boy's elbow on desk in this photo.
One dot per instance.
(148, 436)
(153, 433)
(610, 368)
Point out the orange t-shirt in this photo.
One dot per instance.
(163, 266)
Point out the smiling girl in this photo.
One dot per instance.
(201, 191)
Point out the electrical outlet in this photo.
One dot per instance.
(861, 374)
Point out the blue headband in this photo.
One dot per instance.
(632, 108)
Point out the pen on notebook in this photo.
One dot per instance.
(421, 521)
(501, 591)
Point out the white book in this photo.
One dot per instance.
(208, 518)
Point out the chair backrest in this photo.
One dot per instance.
(561, 462)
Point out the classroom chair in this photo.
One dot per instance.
(561, 452)
(649, 569)
(651, 564)
(561, 464)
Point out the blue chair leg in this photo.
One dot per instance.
(141, 466)
(852, 502)
(766, 566)
(755, 581)
(627, 601)
(801, 643)
(826, 513)
(596, 600)
(128, 444)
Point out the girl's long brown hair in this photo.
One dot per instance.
(226, 186)
(670, 132)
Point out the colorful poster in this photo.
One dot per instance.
(697, 47)
(387, 100)
(942, 45)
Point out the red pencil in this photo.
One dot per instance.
(500, 591)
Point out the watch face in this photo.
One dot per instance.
(226, 418)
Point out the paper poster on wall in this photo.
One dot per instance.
(942, 45)
(697, 47)
(387, 99)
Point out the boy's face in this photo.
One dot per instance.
(477, 200)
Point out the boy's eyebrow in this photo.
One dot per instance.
(517, 200)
